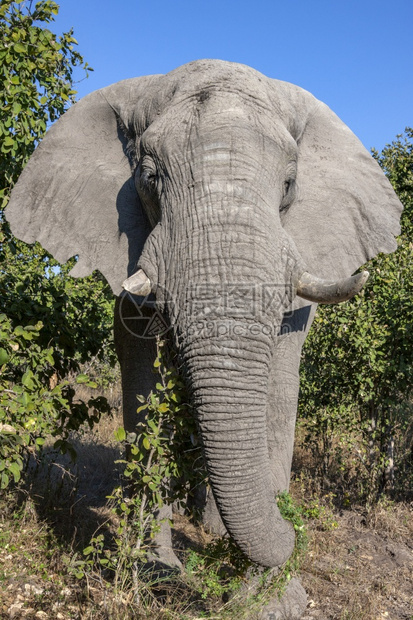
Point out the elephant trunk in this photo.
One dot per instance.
(229, 381)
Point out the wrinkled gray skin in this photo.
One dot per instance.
(246, 182)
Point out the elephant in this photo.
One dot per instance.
(239, 202)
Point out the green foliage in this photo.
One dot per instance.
(293, 513)
(35, 89)
(165, 460)
(35, 81)
(53, 322)
(217, 570)
(77, 315)
(33, 403)
(94, 555)
(221, 569)
(164, 464)
(357, 370)
(321, 511)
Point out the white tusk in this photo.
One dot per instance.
(330, 292)
(138, 284)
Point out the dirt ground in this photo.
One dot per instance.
(363, 569)
(359, 564)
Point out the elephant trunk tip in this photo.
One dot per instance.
(322, 291)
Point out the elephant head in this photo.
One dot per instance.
(231, 196)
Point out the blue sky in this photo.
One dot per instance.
(355, 55)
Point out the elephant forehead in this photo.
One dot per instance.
(201, 75)
(200, 79)
(224, 126)
(209, 104)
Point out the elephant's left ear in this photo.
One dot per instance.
(345, 211)
(76, 195)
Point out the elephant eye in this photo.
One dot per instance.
(146, 179)
(147, 186)
(288, 193)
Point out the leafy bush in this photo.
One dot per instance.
(33, 403)
(357, 367)
(52, 323)
(35, 81)
(35, 89)
(165, 459)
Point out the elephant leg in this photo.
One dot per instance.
(211, 519)
(282, 410)
(283, 392)
(136, 356)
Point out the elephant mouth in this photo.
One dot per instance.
(306, 285)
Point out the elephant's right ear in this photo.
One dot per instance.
(76, 195)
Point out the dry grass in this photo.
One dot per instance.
(363, 568)
(360, 569)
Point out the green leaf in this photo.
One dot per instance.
(15, 470)
(20, 48)
(82, 378)
(4, 480)
(27, 379)
(120, 434)
(4, 357)
(152, 424)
